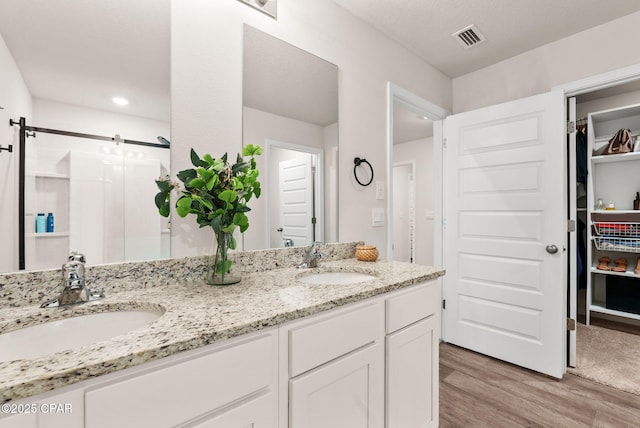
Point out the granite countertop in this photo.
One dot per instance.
(195, 315)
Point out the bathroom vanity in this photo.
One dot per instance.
(272, 351)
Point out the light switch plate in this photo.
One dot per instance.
(377, 217)
(379, 189)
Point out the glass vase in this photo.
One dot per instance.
(220, 266)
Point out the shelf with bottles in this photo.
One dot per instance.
(47, 235)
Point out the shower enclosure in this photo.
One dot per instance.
(100, 192)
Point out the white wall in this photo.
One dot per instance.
(421, 151)
(600, 49)
(16, 101)
(206, 84)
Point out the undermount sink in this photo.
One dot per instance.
(68, 333)
(336, 278)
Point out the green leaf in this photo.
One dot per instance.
(186, 175)
(229, 229)
(212, 182)
(223, 266)
(228, 196)
(196, 161)
(196, 183)
(164, 185)
(164, 210)
(204, 202)
(242, 221)
(183, 206)
(161, 199)
(251, 150)
(208, 159)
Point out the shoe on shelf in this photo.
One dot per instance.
(621, 265)
(603, 263)
(637, 269)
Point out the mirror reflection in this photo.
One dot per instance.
(290, 108)
(412, 169)
(64, 77)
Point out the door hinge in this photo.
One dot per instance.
(444, 304)
(571, 127)
(444, 143)
(571, 324)
(571, 225)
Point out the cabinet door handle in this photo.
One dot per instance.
(552, 249)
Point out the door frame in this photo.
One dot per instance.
(437, 114)
(318, 178)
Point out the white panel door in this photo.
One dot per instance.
(296, 200)
(505, 210)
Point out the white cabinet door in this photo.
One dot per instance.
(345, 393)
(505, 208)
(412, 375)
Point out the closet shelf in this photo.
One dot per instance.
(632, 156)
(604, 310)
(629, 273)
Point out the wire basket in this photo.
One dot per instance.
(626, 245)
(628, 230)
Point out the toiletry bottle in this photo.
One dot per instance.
(50, 222)
(610, 206)
(41, 223)
(600, 205)
(636, 202)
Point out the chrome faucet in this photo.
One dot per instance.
(312, 257)
(74, 289)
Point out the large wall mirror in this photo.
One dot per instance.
(290, 108)
(74, 57)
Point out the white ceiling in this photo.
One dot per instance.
(85, 52)
(510, 26)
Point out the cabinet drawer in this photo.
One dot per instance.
(409, 306)
(200, 385)
(328, 336)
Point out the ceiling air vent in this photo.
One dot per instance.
(469, 36)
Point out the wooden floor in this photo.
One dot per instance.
(478, 391)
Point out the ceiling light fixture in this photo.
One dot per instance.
(120, 101)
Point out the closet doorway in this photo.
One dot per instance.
(603, 291)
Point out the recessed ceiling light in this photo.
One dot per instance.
(120, 101)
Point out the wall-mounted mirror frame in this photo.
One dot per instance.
(290, 101)
(398, 99)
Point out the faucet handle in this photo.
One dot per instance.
(77, 257)
(73, 274)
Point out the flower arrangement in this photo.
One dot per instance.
(217, 193)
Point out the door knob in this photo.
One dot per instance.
(552, 249)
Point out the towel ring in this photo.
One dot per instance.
(357, 162)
